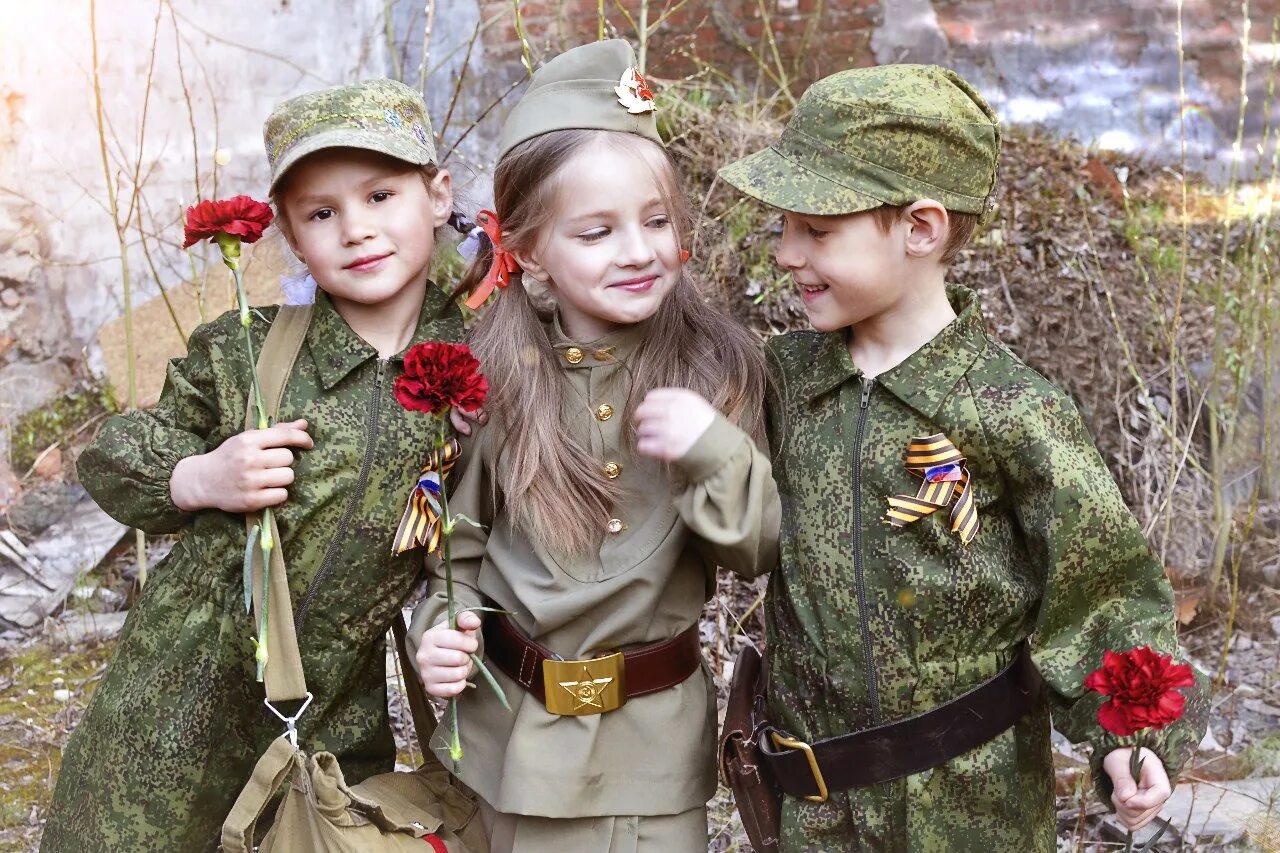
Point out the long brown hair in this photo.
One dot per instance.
(556, 488)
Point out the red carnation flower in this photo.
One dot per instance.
(438, 376)
(240, 216)
(1142, 686)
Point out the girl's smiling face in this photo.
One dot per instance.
(610, 252)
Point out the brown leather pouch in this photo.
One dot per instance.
(758, 799)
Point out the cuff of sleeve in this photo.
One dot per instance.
(712, 450)
(169, 517)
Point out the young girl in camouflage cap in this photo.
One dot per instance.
(957, 556)
(173, 731)
(608, 487)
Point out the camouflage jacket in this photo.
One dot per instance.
(172, 732)
(867, 623)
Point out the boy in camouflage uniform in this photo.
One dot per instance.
(172, 733)
(891, 600)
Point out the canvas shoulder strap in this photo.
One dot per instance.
(283, 673)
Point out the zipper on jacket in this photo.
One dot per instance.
(869, 659)
(357, 494)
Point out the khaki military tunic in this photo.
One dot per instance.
(654, 570)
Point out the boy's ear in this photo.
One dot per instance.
(441, 191)
(927, 226)
(282, 225)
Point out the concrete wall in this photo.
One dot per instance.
(218, 69)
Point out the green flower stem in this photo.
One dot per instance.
(245, 321)
(446, 527)
(1135, 770)
(230, 246)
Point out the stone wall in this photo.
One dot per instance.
(1103, 70)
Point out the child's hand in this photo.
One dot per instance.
(443, 658)
(670, 421)
(1137, 802)
(247, 472)
(462, 420)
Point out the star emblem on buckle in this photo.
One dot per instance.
(586, 691)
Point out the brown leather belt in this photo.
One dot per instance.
(595, 685)
(902, 747)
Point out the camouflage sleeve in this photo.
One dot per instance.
(127, 467)
(1103, 586)
(470, 493)
(730, 500)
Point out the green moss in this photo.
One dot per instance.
(56, 422)
(34, 722)
(1262, 758)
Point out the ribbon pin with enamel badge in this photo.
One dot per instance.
(943, 473)
(421, 522)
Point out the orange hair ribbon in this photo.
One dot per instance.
(504, 263)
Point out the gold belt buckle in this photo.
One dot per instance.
(576, 688)
(781, 741)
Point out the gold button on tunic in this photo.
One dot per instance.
(573, 355)
(612, 470)
(604, 411)
(615, 525)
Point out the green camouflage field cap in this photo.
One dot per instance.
(594, 86)
(378, 115)
(867, 137)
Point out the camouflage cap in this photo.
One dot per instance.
(591, 87)
(868, 137)
(378, 115)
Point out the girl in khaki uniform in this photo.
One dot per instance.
(608, 487)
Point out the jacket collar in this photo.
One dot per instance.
(337, 350)
(614, 347)
(922, 380)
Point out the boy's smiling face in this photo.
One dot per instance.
(364, 223)
(846, 268)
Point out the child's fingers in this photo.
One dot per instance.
(275, 457)
(1135, 820)
(468, 620)
(442, 656)
(666, 396)
(653, 406)
(1148, 798)
(460, 423)
(458, 641)
(284, 435)
(275, 478)
(441, 637)
(264, 498)
(445, 689)
(649, 429)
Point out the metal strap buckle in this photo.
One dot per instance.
(781, 741)
(290, 723)
(577, 688)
